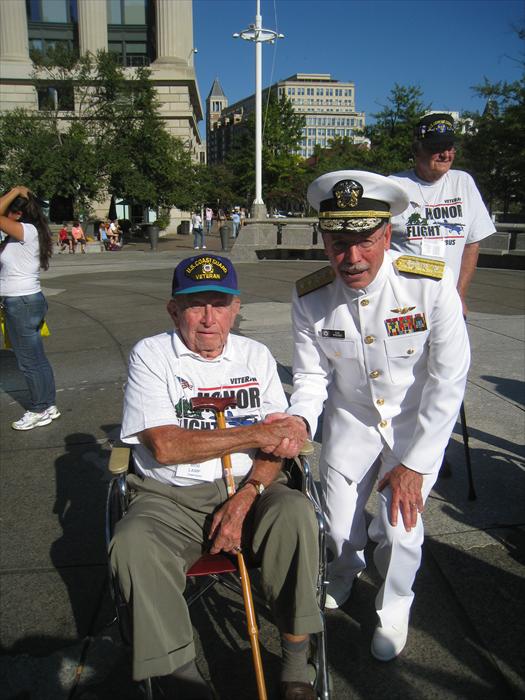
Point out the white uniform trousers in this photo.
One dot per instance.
(397, 555)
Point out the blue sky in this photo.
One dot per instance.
(443, 47)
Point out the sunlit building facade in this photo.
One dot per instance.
(327, 104)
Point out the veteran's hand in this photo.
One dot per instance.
(294, 437)
(405, 485)
(226, 526)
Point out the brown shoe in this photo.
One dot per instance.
(295, 690)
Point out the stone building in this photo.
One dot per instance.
(327, 104)
(154, 33)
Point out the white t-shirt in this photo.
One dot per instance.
(441, 218)
(164, 375)
(20, 265)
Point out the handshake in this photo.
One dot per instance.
(283, 435)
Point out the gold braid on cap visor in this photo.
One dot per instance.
(351, 224)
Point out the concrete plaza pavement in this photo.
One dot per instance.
(468, 619)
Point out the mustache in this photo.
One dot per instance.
(353, 269)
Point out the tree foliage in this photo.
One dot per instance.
(114, 142)
(282, 167)
(493, 148)
(392, 133)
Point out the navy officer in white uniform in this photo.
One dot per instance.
(381, 343)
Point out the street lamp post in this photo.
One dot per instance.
(257, 34)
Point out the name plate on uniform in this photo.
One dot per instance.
(331, 333)
(401, 325)
(202, 472)
(435, 247)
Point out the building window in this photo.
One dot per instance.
(53, 11)
(56, 97)
(130, 54)
(126, 11)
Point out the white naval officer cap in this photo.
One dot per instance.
(355, 201)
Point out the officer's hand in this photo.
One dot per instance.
(291, 441)
(226, 526)
(405, 485)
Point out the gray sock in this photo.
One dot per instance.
(295, 660)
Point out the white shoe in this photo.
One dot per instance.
(389, 642)
(196, 247)
(204, 247)
(32, 420)
(53, 412)
(337, 593)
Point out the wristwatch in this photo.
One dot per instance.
(257, 485)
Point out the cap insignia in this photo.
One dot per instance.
(206, 268)
(347, 194)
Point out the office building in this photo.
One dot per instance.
(327, 104)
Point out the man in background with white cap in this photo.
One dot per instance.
(381, 339)
(446, 217)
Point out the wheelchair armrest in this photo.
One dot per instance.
(119, 460)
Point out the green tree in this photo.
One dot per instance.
(282, 167)
(392, 133)
(113, 142)
(50, 158)
(493, 148)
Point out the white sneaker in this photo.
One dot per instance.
(204, 247)
(389, 642)
(196, 247)
(338, 592)
(32, 420)
(53, 412)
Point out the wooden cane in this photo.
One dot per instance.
(218, 406)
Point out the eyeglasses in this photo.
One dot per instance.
(339, 245)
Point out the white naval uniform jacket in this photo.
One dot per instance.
(403, 390)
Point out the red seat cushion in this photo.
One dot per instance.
(212, 564)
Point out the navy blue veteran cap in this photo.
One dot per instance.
(436, 131)
(355, 201)
(204, 273)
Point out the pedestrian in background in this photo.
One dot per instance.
(26, 250)
(63, 239)
(236, 221)
(77, 233)
(209, 219)
(198, 234)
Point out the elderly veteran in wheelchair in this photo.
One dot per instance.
(179, 502)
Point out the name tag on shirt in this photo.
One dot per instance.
(433, 247)
(330, 333)
(202, 472)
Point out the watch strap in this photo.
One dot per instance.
(258, 485)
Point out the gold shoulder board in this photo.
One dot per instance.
(316, 280)
(420, 266)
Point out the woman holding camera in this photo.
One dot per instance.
(25, 251)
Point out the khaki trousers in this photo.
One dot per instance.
(164, 533)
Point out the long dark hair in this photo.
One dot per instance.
(33, 214)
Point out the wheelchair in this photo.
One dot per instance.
(210, 570)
